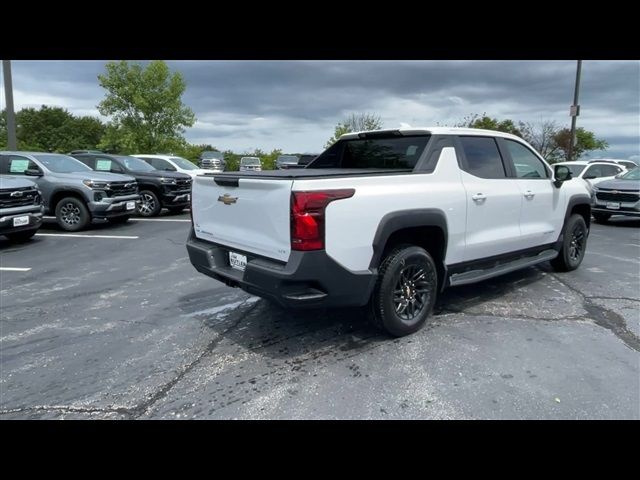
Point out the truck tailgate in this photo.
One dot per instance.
(253, 216)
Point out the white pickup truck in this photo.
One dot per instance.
(388, 219)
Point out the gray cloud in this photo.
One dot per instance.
(295, 104)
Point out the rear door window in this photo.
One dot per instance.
(482, 157)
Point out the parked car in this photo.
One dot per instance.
(628, 164)
(172, 163)
(250, 164)
(21, 208)
(213, 161)
(286, 161)
(72, 191)
(306, 159)
(592, 173)
(389, 219)
(620, 196)
(158, 189)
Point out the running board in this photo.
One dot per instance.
(478, 275)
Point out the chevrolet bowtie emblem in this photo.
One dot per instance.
(227, 199)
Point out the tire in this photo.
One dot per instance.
(20, 237)
(601, 217)
(149, 205)
(574, 245)
(389, 306)
(176, 210)
(72, 214)
(122, 219)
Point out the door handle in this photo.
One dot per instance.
(479, 197)
(529, 194)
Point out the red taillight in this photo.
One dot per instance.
(307, 216)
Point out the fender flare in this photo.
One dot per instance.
(401, 219)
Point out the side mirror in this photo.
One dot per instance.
(33, 172)
(589, 177)
(561, 175)
(171, 169)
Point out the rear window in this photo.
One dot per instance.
(381, 153)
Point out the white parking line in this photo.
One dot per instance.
(158, 220)
(130, 237)
(14, 269)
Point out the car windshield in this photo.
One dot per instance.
(183, 163)
(575, 169)
(217, 155)
(135, 164)
(633, 174)
(62, 163)
(250, 161)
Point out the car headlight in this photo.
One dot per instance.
(168, 181)
(96, 184)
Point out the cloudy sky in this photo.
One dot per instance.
(294, 105)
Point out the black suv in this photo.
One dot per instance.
(158, 189)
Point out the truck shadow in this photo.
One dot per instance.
(300, 336)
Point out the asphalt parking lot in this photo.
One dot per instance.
(116, 323)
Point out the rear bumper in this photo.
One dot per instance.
(35, 221)
(307, 280)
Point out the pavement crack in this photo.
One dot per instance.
(597, 297)
(163, 391)
(605, 318)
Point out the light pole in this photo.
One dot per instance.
(574, 112)
(8, 96)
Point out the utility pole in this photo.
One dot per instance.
(574, 112)
(8, 96)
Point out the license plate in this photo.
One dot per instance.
(237, 261)
(19, 221)
(131, 205)
(613, 205)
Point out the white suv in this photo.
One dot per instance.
(593, 172)
(172, 163)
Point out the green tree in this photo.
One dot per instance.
(356, 122)
(53, 129)
(488, 123)
(145, 106)
(586, 141)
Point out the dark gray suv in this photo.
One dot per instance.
(73, 192)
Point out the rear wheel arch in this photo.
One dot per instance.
(426, 228)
